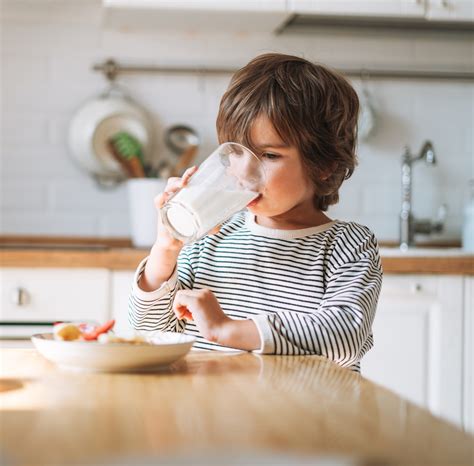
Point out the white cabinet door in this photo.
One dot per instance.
(196, 16)
(450, 10)
(50, 295)
(223, 5)
(468, 401)
(376, 8)
(121, 285)
(418, 342)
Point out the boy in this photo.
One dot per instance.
(281, 278)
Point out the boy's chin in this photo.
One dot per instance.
(254, 210)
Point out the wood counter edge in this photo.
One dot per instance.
(113, 259)
(129, 258)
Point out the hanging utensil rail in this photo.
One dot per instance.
(112, 68)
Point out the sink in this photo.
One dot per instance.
(424, 252)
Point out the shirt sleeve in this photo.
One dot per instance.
(153, 310)
(340, 327)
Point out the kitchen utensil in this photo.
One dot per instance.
(93, 356)
(226, 182)
(128, 152)
(185, 160)
(98, 120)
(179, 137)
(183, 141)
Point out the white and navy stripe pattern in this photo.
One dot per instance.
(310, 291)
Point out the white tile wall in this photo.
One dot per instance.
(48, 47)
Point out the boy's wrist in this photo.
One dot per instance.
(240, 334)
(166, 251)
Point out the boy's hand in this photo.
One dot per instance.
(202, 307)
(164, 239)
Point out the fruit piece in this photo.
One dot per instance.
(66, 332)
(99, 330)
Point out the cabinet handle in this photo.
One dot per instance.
(20, 297)
(416, 287)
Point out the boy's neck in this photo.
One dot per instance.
(293, 220)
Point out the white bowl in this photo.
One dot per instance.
(166, 347)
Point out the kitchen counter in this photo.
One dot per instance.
(117, 254)
(210, 405)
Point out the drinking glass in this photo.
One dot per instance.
(225, 183)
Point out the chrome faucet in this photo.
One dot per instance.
(409, 226)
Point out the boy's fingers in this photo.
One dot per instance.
(172, 183)
(160, 200)
(188, 174)
(183, 300)
(182, 312)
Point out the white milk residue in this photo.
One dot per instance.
(208, 208)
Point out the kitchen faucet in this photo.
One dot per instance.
(409, 226)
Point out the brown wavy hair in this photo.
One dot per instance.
(310, 106)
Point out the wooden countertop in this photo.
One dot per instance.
(211, 403)
(118, 254)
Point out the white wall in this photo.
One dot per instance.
(47, 51)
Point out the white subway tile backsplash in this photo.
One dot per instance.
(114, 224)
(29, 162)
(70, 195)
(385, 227)
(47, 54)
(15, 124)
(20, 196)
(381, 198)
(38, 222)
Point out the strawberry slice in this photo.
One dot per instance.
(99, 330)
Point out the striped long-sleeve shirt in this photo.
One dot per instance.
(309, 291)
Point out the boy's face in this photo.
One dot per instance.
(287, 189)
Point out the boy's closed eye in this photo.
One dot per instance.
(270, 156)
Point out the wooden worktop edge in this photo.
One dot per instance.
(129, 258)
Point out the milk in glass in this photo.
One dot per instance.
(197, 209)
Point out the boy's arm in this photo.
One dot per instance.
(158, 268)
(152, 309)
(340, 327)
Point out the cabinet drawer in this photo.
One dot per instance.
(49, 295)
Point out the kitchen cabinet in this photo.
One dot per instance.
(206, 5)
(450, 10)
(381, 8)
(468, 400)
(32, 297)
(196, 15)
(442, 10)
(423, 328)
(418, 350)
(120, 290)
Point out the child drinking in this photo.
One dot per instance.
(281, 278)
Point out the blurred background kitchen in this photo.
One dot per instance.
(412, 63)
(49, 48)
